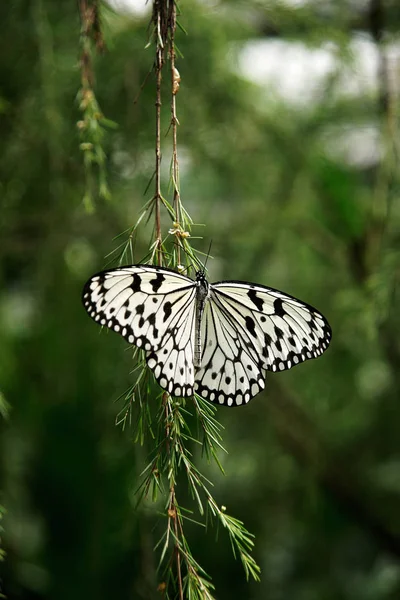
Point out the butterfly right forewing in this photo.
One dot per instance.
(284, 330)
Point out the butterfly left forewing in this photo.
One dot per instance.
(154, 309)
(139, 302)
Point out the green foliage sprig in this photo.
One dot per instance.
(92, 127)
(174, 439)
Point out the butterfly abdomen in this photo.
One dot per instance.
(202, 294)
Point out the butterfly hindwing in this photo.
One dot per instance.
(231, 371)
(172, 363)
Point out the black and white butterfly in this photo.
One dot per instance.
(217, 340)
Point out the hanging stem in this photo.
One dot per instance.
(183, 573)
(159, 63)
(161, 11)
(172, 504)
(160, 35)
(386, 173)
(93, 124)
(175, 80)
(172, 512)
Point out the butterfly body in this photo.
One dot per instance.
(202, 295)
(218, 339)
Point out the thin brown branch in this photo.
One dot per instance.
(91, 34)
(177, 551)
(388, 99)
(175, 80)
(87, 76)
(172, 505)
(160, 24)
(376, 18)
(159, 64)
(164, 22)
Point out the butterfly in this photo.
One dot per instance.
(215, 339)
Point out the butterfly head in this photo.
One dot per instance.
(203, 289)
(201, 276)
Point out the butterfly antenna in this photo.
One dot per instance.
(208, 255)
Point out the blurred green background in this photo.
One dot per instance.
(289, 155)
